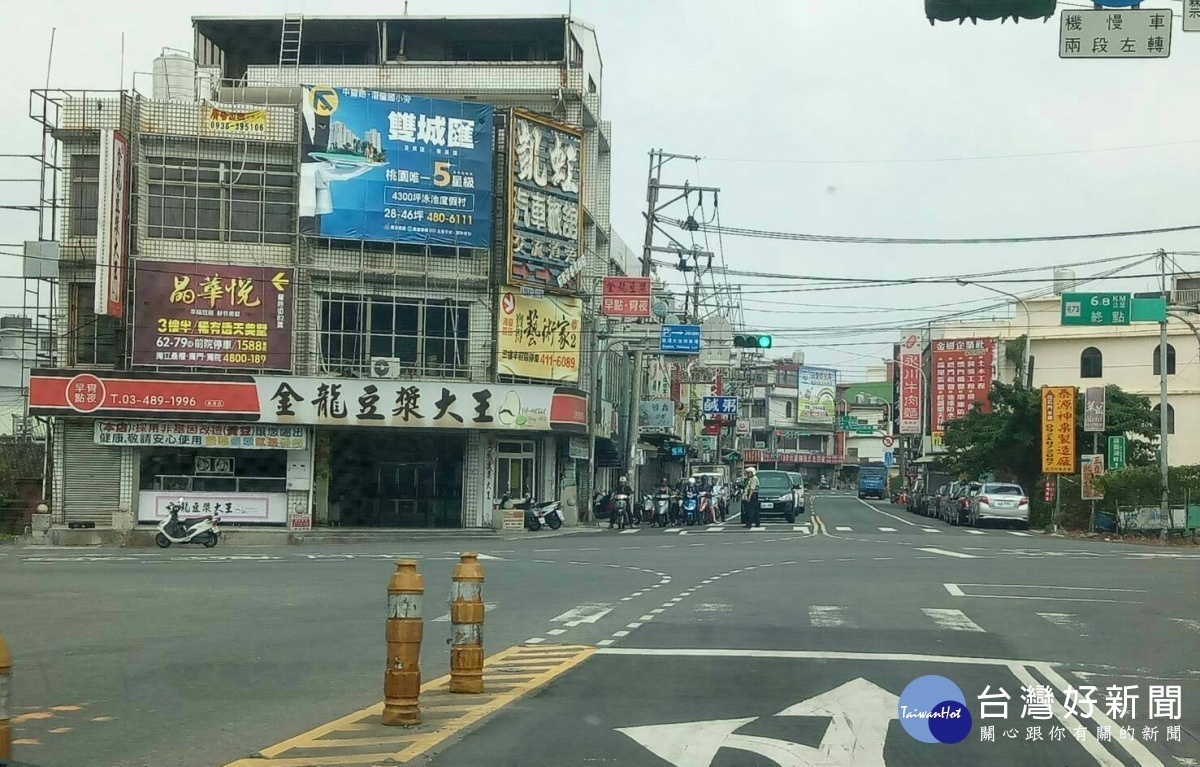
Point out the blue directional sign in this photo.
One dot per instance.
(889, 458)
(719, 405)
(679, 339)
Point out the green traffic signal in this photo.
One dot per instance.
(764, 342)
(752, 341)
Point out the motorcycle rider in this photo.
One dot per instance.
(750, 499)
(622, 488)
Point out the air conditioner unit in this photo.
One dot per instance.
(385, 367)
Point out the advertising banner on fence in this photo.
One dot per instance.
(112, 210)
(215, 121)
(309, 401)
(816, 393)
(539, 337)
(1058, 429)
(545, 203)
(962, 376)
(212, 315)
(911, 391)
(238, 436)
(391, 167)
(1091, 467)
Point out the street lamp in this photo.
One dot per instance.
(1027, 371)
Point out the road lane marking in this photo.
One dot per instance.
(1194, 625)
(886, 514)
(952, 620)
(1018, 532)
(1140, 754)
(887, 529)
(487, 607)
(556, 632)
(717, 529)
(975, 532)
(585, 613)
(620, 634)
(844, 529)
(604, 642)
(628, 532)
(1064, 620)
(535, 640)
(930, 530)
(645, 618)
(954, 590)
(946, 553)
(828, 616)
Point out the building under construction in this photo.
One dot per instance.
(312, 226)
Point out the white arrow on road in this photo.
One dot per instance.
(859, 712)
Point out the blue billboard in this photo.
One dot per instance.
(390, 167)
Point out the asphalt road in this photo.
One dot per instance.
(789, 645)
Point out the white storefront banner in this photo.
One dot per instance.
(911, 390)
(201, 435)
(234, 508)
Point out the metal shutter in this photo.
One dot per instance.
(91, 475)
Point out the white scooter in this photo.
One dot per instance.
(536, 514)
(202, 530)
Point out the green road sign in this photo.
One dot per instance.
(1116, 453)
(1096, 308)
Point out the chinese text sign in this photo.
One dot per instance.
(215, 121)
(112, 242)
(1091, 467)
(1116, 453)
(539, 337)
(962, 377)
(1191, 15)
(626, 297)
(1096, 309)
(911, 391)
(1094, 407)
(545, 203)
(1058, 429)
(656, 415)
(391, 167)
(212, 315)
(816, 390)
(1115, 34)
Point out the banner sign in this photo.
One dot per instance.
(545, 203)
(212, 315)
(310, 401)
(767, 456)
(1094, 405)
(1116, 452)
(656, 415)
(112, 242)
(390, 167)
(1058, 429)
(962, 377)
(816, 392)
(201, 435)
(911, 391)
(1091, 467)
(234, 508)
(626, 297)
(216, 121)
(539, 337)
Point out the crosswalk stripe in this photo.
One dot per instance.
(976, 532)
(1018, 532)
(1063, 620)
(1194, 625)
(930, 530)
(952, 620)
(844, 529)
(946, 553)
(887, 529)
(631, 532)
(717, 529)
(800, 529)
(828, 616)
(762, 529)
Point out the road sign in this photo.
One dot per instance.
(1096, 309)
(1191, 15)
(1115, 34)
(679, 339)
(1094, 401)
(719, 405)
(889, 458)
(1091, 467)
(324, 100)
(889, 441)
(1116, 453)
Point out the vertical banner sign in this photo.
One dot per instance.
(545, 204)
(539, 337)
(1058, 429)
(1091, 467)
(626, 297)
(112, 242)
(962, 378)
(1116, 453)
(390, 167)
(910, 385)
(1094, 402)
(816, 390)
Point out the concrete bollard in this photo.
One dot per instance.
(466, 619)
(5, 727)
(402, 679)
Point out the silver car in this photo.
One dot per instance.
(1000, 501)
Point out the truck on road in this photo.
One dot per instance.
(872, 482)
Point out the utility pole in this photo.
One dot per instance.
(1163, 421)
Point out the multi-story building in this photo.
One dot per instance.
(22, 348)
(347, 270)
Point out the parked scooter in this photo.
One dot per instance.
(537, 515)
(202, 530)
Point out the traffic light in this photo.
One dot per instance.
(988, 10)
(752, 341)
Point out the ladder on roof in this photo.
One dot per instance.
(289, 41)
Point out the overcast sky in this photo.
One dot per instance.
(819, 117)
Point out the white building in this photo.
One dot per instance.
(21, 349)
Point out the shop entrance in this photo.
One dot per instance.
(396, 479)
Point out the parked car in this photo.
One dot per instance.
(798, 485)
(960, 505)
(776, 494)
(933, 507)
(1000, 501)
(916, 496)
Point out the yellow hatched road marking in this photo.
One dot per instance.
(508, 675)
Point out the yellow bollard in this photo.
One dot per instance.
(402, 679)
(5, 727)
(466, 619)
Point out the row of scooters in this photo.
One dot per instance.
(666, 508)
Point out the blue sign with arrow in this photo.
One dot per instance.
(679, 339)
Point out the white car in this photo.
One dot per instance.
(797, 491)
(1000, 501)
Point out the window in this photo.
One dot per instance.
(1170, 417)
(758, 409)
(787, 410)
(428, 337)
(516, 472)
(85, 194)
(93, 338)
(787, 378)
(591, 85)
(1091, 363)
(195, 199)
(576, 60)
(1170, 360)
